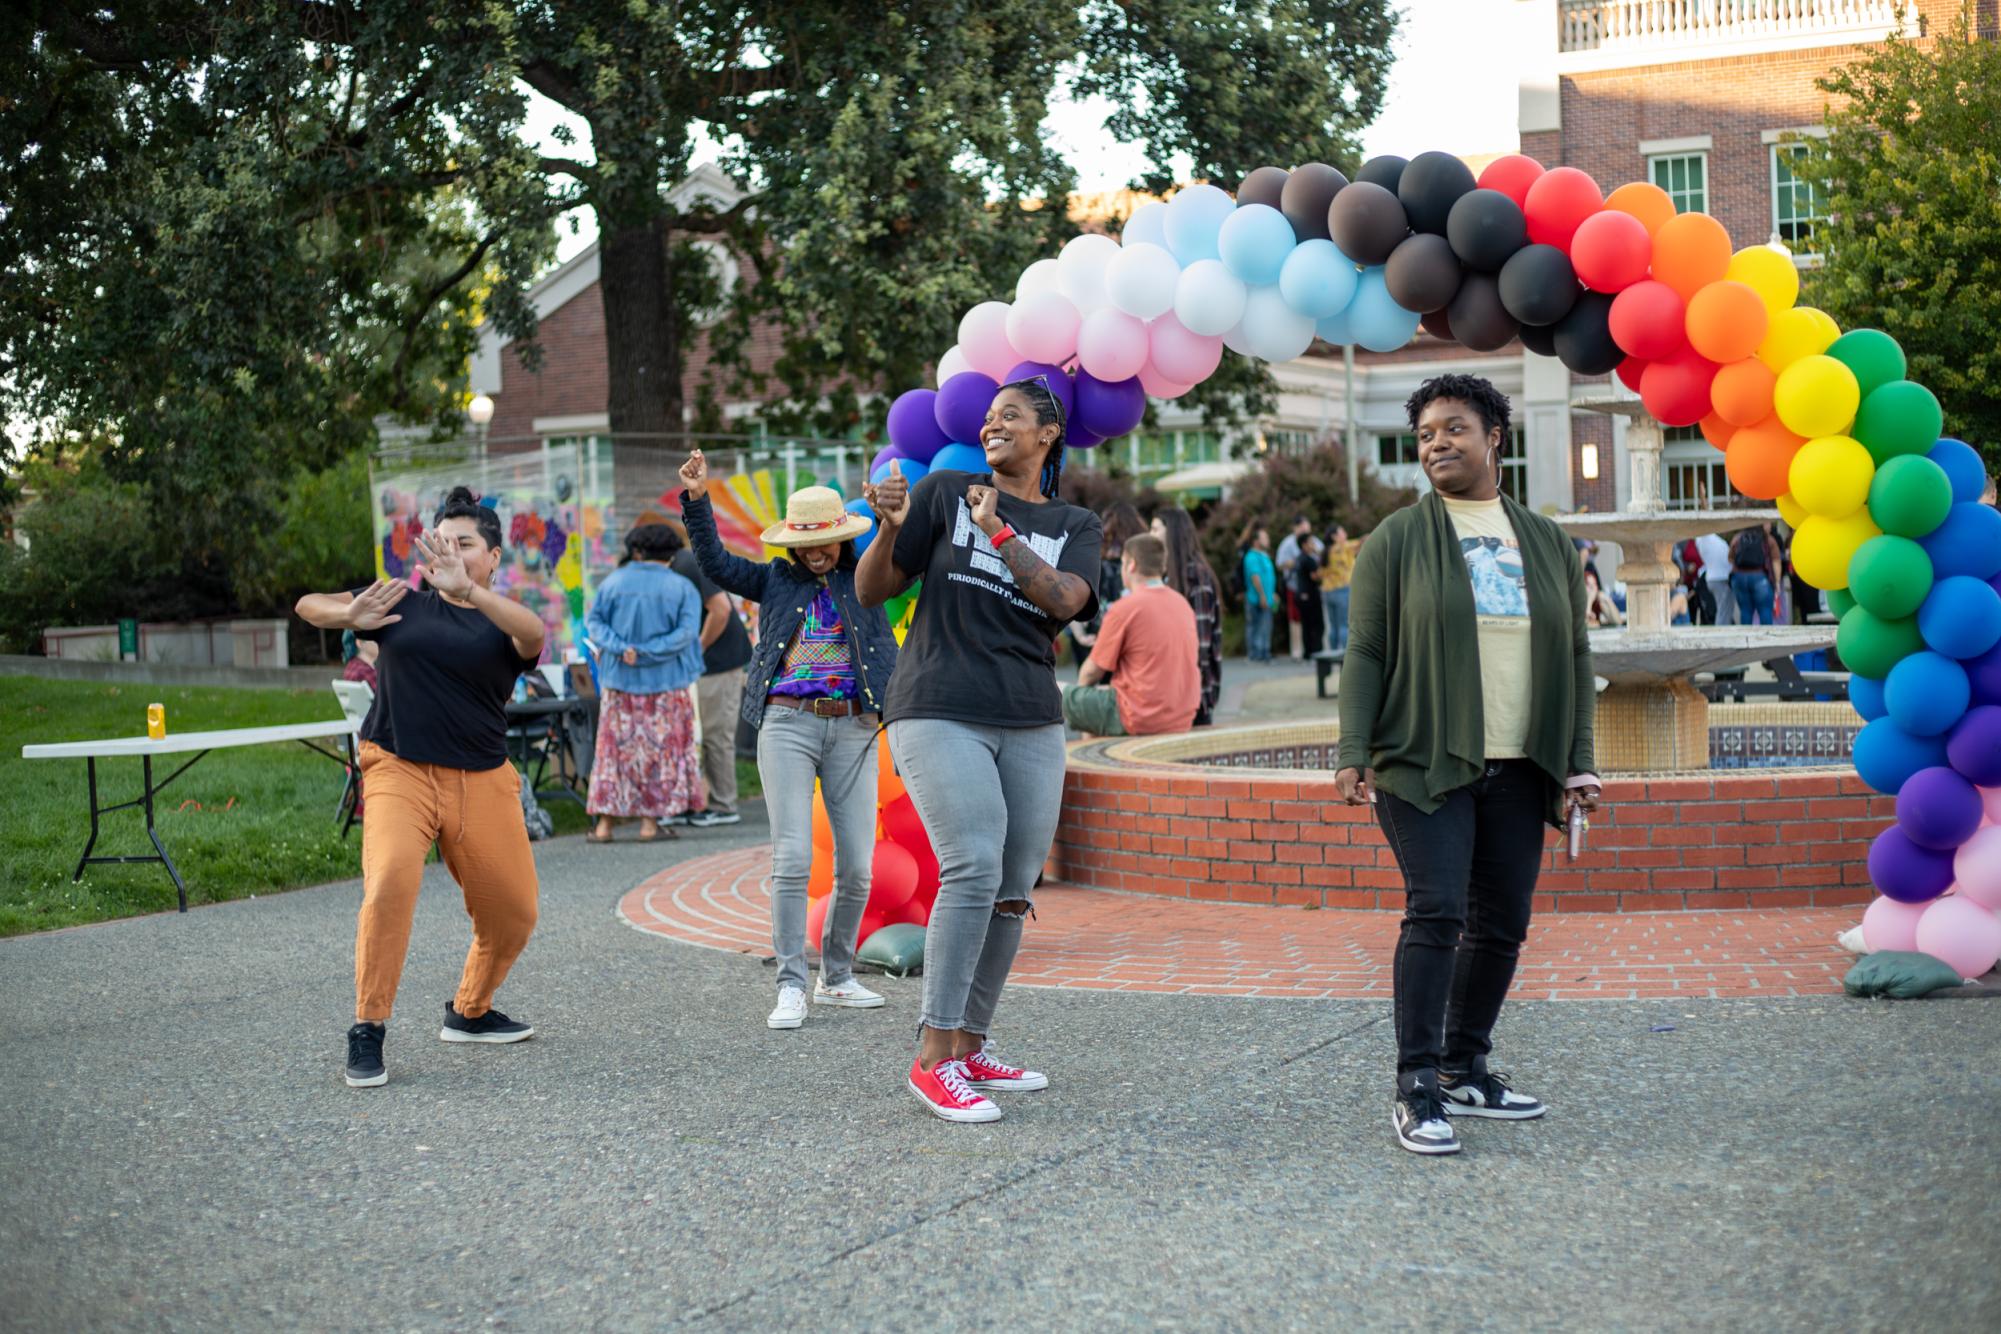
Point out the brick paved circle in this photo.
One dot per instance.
(1102, 940)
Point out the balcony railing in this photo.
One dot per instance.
(1644, 27)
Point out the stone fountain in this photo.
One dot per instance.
(1650, 717)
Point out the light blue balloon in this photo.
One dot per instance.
(1963, 466)
(960, 458)
(912, 471)
(861, 507)
(1334, 328)
(1317, 279)
(1378, 322)
(1147, 226)
(1194, 219)
(1867, 697)
(1254, 242)
(1886, 755)
(1961, 617)
(1926, 693)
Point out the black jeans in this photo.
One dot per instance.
(1469, 871)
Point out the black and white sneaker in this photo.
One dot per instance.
(711, 819)
(1487, 1094)
(364, 1057)
(493, 1026)
(1419, 1117)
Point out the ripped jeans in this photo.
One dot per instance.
(990, 798)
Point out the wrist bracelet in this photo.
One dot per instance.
(1001, 538)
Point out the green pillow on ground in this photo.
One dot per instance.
(899, 949)
(1898, 974)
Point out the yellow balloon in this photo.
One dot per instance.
(1769, 271)
(1830, 477)
(1799, 332)
(1791, 511)
(1816, 396)
(1823, 547)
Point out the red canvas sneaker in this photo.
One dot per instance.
(985, 1071)
(944, 1090)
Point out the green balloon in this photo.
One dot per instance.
(1839, 600)
(1901, 417)
(1890, 576)
(1871, 646)
(1872, 354)
(1910, 496)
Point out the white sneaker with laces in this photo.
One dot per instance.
(850, 993)
(791, 1009)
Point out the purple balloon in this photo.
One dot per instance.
(1905, 871)
(1109, 408)
(885, 455)
(913, 425)
(1939, 809)
(1056, 377)
(1974, 747)
(962, 406)
(1984, 672)
(1076, 439)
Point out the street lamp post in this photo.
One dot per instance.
(480, 412)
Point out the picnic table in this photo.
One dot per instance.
(308, 735)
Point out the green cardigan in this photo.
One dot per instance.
(1410, 687)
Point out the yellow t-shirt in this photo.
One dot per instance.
(1501, 611)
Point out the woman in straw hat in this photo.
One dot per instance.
(814, 689)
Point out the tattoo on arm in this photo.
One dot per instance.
(1061, 595)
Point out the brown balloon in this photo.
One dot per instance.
(1478, 317)
(1304, 201)
(1263, 186)
(1367, 222)
(1437, 325)
(1422, 272)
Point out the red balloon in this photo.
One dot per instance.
(1557, 203)
(917, 912)
(872, 922)
(1611, 251)
(892, 879)
(903, 827)
(1629, 372)
(1511, 175)
(816, 919)
(1676, 390)
(1648, 320)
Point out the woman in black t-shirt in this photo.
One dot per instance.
(435, 771)
(974, 716)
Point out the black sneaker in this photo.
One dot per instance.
(364, 1057)
(493, 1026)
(1487, 1094)
(1419, 1117)
(711, 819)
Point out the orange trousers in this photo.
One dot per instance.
(474, 818)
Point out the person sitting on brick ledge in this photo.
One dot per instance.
(1147, 650)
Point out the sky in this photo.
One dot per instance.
(1458, 97)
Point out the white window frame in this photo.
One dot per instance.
(1699, 155)
(1788, 141)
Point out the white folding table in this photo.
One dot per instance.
(201, 743)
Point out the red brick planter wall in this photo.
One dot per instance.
(1765, 839)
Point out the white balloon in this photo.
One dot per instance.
(1140, 280)
(1209, 299)
(1083, 263)
(1045, 275)
(1275, 331)
(1147, 226)
(1044, 328)
(1238, 341)
(952, 363)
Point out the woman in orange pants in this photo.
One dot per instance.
(435, 771)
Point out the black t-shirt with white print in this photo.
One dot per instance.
(978, 651)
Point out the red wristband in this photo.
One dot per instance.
(1002, 538)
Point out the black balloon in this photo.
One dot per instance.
(1304, 201)
(1367, 222)
(1385, 171)
(1478, 318)
(1584, 336)
(1538, 286)
(1485, 228)
(1538, 338)
(1262, 187)
(1422, 272)
(1437, 325)
(1430, 186)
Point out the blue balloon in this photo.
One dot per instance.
(860, 506)
(1961, 617)
(1968, 542)
(1334, 328)
(1926, 693)
(960, 458)
(1254, 242)
(1318, 280)
(1886, 756)
(1963, 466)
(1147, 226)
(1867, 697)
(1378, 322)
(912, 470)
(1195, 216)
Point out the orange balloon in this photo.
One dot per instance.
(888, 785)
(1645, 201)
(820, 880)
(1726, 321)
(1691, 251)
(1741, 393)
(1717, 431)
(823, 830)
(1760, 459)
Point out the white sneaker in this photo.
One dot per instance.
(850, 993)
(791, 1009)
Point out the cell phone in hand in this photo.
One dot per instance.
(1578, 826)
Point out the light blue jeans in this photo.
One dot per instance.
(1257, 632)
(792, 749)
(990, 798)
(1334, 602)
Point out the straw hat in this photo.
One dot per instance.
(815, 515)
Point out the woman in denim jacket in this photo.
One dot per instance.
(814, 690)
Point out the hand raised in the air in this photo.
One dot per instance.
(695, 475)
(984, 501)
(889, 498)
(444, 568)
(370, 609)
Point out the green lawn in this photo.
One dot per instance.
(247, 821)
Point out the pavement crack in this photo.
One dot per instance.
(1325, 1043)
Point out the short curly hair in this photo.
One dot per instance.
(1489, 402)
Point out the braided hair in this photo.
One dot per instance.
(1048, 412)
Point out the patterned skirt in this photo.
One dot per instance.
(647, 760)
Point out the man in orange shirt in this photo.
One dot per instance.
(1147, 648)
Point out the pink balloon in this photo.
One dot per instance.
(1977, 867)
(1991, 798)
(1963, 934)
(1111, 344)
(1180, 355)
(983, 339)
(1043, 327)
(1890, 925)
(1158, 385)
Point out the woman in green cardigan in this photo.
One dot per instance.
(1467, 701)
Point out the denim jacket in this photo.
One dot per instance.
(655, 612)
(782, 591)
